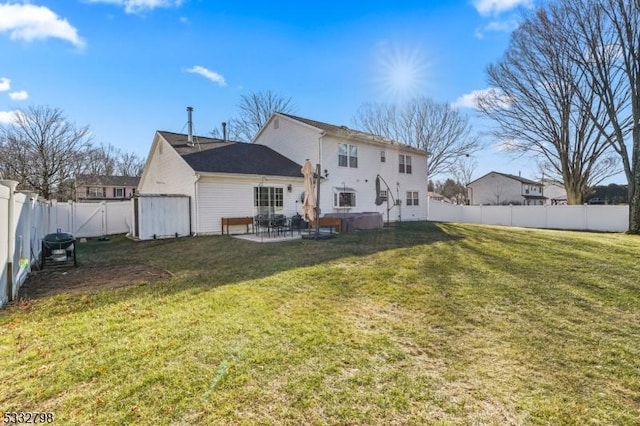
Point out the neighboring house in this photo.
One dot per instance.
(435, 196)
(105, 188)
(496, 188)
(555, 194)
(222, 178)
(350, 161)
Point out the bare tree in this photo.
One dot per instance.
(545, 109)
(129, 164)
(603, 39)
(254, 110)
(99, 160)
(41, 149)
(437, 128)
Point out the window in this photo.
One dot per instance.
(268, 200)
(118, 192)
(347, 155)
(96, 192)
(383, 195)
(404, 164)
(344, 199)
(383, 157)
(412, 198)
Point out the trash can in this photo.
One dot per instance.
(59, 247)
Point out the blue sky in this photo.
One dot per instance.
(127, 68)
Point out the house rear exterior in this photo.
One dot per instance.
(350, 161)
(221, 178)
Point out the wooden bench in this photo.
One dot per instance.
(329, 222)
(232, 221)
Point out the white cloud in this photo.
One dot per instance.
(505, 26)
(211, 75)
(140, 6)
(7, 117)
(496, 7)
(490, 96)
(5, 84)
(19, 96)
(29, 22)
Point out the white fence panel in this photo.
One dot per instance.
(529, 216)
(161, 216)
(609, 218)
(582, 217)
(4, 243)
(25, 220)
(118, 218)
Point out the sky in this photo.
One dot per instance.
(127, 68)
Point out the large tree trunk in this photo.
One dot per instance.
(574, 195)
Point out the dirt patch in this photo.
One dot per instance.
(52, 281)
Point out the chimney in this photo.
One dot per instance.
(224, 131)
(190, 124)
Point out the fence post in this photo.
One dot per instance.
(11, 237)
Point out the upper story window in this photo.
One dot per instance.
(383, 157)
(347, 155)
(404, 164)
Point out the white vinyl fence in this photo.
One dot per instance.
(25, 220)
(582, 217)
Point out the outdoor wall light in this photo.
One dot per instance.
(326, 173)
(289, 188)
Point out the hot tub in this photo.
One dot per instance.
(359, 221)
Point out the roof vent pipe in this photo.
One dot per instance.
(190, 124)
(224, 131)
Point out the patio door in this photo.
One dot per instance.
(268, 200)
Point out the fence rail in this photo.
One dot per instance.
(25, 220)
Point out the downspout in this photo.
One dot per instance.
(196, 187)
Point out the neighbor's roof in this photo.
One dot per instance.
(518, 178)
(130, 181)
(210, 155)
(346, 132)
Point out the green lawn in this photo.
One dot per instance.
(422, 324)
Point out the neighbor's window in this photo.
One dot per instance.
(344, 199)
(118, 192)
(384, 196)
(268, 200)
(412, 198)
(96, 192)
(347, 155)
(383, 157)
(404, 164)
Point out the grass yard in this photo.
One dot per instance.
(423, 324)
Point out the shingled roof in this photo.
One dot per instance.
(514, 177)
(211, 155)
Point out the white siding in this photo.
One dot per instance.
(292, 139)
(298, 141)
(232, 196)
(166, 172)
(363, 179)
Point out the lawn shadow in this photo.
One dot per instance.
(206, 262)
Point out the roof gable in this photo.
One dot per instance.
(507, 175)
(210, 155)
